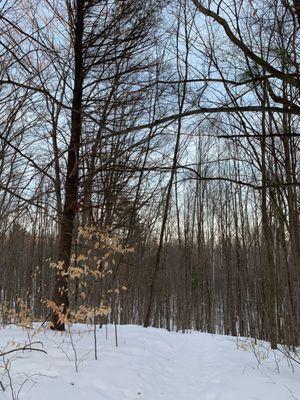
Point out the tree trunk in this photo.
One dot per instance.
(60, 296)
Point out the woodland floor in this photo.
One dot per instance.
(148, 364)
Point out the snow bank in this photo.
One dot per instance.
(149, 364)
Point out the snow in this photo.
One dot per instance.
(148, 364)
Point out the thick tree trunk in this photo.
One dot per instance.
(60, 296)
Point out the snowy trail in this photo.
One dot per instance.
(149, 364)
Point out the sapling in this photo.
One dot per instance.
(91, 282)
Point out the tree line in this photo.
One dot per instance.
(172, 125)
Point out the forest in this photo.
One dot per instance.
(150, 166)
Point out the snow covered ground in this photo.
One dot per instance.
(149, 364)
